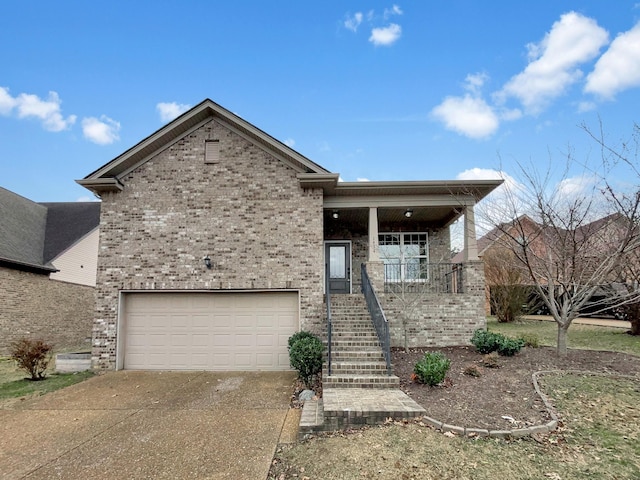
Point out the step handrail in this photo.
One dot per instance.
(329, 322)
(378, 317)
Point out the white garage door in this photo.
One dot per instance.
(209, 331)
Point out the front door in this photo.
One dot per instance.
(338, 262)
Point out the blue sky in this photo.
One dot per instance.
(371, 90)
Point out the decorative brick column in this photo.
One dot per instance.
(376, 275)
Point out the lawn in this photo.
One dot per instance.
(13, 383)
(598, 437)
(587, 337)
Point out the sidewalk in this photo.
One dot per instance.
(600, 322)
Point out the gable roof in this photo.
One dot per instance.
(108, 177)
(68, 222)
(22, 231)
(33, 234)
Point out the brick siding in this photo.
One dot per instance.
(36, 307)
(441, 319)
(247, 212)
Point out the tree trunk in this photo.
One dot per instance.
(562, 340)
(635, 326)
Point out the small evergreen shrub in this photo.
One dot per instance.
(299, 336)
(508, 347)
(530, 340)
(432, 368)
(487, 342)
(305, 355)
(33, 356)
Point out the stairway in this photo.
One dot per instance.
(357, 358)
(359, 390)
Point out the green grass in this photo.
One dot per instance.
(586, 337)
(600, 439)
(13, 383)
(56, 381)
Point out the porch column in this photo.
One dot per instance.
(374, 252)
(470, 241)
(375, 267)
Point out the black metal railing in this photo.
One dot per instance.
(329, 323)
(416, 277)
(377, 316)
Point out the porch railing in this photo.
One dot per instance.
(329, 322)
(415, 277)
(377, 316)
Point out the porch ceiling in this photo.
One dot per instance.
(435, 216)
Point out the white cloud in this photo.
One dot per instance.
(171, 110)
(102, 131)
(353, 22)
(618, 68)
(290, 142)
(574, 187)
(395, 10)
(553, 66)
(362, 179)
(87, 199)
(31, 106)
(470, 116)
(586, 106)
(475, 81)
(385, 36)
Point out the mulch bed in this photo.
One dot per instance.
(507, 391)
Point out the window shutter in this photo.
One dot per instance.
(212, 151)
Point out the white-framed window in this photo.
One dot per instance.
(405, 256)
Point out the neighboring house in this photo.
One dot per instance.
(215, 238)
(48, 263)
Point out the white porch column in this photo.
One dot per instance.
(470, 242)
(374, 252)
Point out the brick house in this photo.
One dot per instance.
(48, 264)
(215, 239)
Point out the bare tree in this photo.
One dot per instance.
(581, 239)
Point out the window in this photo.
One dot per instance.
(405, 256)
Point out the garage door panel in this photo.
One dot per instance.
(209, 331)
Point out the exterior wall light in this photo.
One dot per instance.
(408, 213)
(335, 214)
(207, 262)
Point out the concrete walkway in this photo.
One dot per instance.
(600, 322)
(171, 425)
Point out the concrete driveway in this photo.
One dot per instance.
(139, 425)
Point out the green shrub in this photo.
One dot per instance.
(530, 340)
(432, 368)
(299, 336)
(487, 342)
(508, 347)
(305, 355)
(33, 356)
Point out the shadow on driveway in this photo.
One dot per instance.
(170, 425)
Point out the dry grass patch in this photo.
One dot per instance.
(598, 440)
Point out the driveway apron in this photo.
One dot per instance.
(173, 425)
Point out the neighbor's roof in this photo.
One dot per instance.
(33, 234)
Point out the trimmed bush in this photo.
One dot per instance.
(33, 356)
(487, 342)
(305, 355)
(299, 336)
(432, 368)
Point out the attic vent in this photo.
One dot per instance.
(212, 151)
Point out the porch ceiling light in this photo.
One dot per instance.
(408, 213)
(335, 214)
(207, 262)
